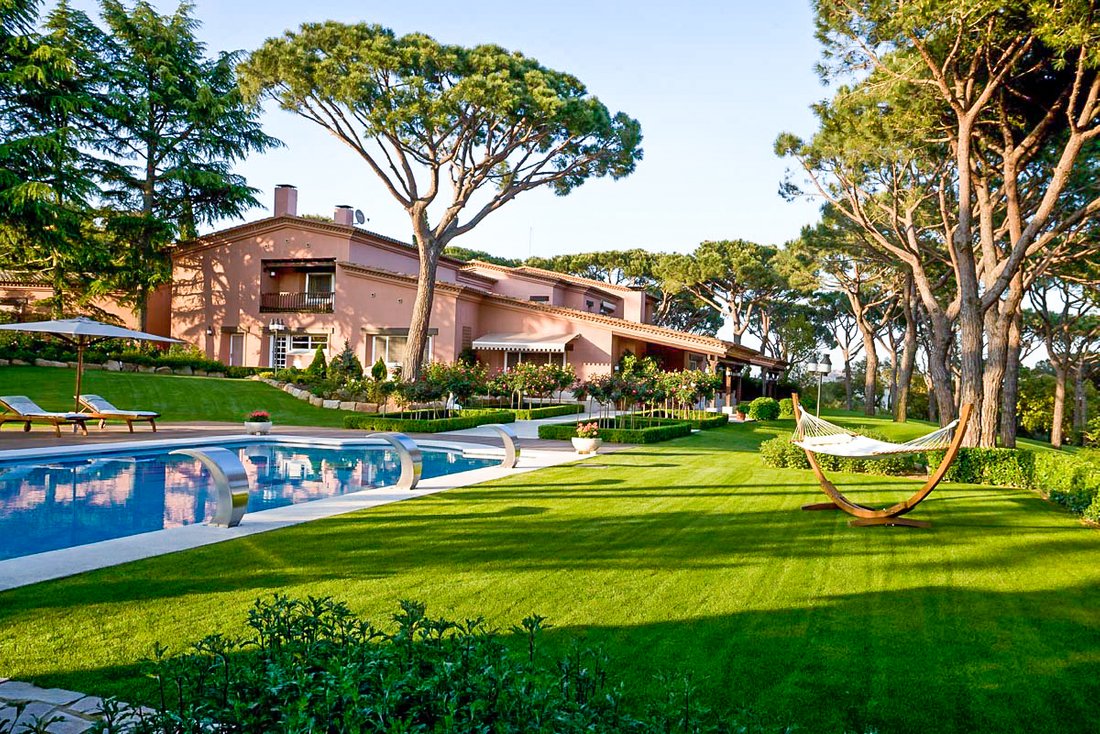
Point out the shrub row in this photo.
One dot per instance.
(616, 430)
(699, 419)
(1070, 480)
(550, 411)
(781, 453)
(465, 419)
(313, 665)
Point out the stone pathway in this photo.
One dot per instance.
(71, 712)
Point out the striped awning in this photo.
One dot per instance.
(523, 342)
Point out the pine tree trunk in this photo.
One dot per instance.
(847, 382)
(870, 382)
(997, 327)
(1080, 401)
(932, 412)
(1056, 433)
(429, 250)
(908, 355)
(1011, 391)
(940, 375)
(966, 276)
(905, 376)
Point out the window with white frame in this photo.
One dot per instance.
(302, 343)
(391, 349)
(319, 284)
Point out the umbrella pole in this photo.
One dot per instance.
(79, 373)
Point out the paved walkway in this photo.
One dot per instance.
(23, 704)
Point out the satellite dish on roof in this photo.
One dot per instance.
(359, 218)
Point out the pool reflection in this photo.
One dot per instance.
(45, 506)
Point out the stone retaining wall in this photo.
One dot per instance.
(113, 365)
(296, 392)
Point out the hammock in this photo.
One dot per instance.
(823, 437)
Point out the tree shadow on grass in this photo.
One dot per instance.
(440, 536)
(925, 659)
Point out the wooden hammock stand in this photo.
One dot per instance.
(892, 515)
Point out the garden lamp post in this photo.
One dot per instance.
(822, 368)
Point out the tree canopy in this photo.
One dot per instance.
(421, 114)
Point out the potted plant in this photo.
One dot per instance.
(587, 440)
(258, 423)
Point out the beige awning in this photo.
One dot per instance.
(523, 342)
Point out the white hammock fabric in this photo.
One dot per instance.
(823, 437)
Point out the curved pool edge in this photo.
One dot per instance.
(114, 447)
(55, 564)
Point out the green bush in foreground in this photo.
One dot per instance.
(619, 430)
(764, 409)
(465, 419)
(312, 665)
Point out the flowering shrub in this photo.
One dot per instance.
(588, 430)
(258, 416)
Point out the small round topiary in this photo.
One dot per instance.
(764, 409)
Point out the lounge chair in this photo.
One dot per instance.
(101, 410)
(21, 409)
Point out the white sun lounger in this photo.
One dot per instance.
(100, 409)
(21, 409)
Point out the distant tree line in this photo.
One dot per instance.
(957, 164)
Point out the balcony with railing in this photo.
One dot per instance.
(309, 302)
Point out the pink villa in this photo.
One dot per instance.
(269, 292)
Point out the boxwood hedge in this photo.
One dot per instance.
(464, 419)
(700, 419)
(618, 430)
(780, 452)
(1068, 479)
(549, 411)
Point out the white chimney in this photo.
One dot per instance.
(286, 201)
(344, 214)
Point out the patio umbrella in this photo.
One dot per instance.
(83, 333)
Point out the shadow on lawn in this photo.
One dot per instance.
(926, 659)
(439, 535)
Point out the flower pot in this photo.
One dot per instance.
(586, 445)
(257, 428)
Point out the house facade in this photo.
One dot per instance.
(270, 292)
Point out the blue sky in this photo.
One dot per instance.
(712, 84)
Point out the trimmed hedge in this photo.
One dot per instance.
(465, 419)
(996, 466)
(1070, 480)
(699, 419)
(617, 430)
(550, 411)
(781, 453)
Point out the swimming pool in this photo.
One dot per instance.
(50, 504)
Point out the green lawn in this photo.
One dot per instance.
(176, 397)
(686, 556)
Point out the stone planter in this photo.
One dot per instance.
(257, 428)
(586, 445)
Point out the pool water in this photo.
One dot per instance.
(46, 505)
